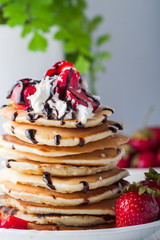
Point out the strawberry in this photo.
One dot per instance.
(124, 163)
(143, 140)
(144, 160)
(80, 96)
(126, 159)
(158, 157)
(13, 222)
(19, 93)
(152, 181)
(156, 132)
(57, 68)
(135, 207)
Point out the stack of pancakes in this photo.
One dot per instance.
(59, 174)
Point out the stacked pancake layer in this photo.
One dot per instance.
(59, 175)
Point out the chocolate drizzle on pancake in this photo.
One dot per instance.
(8, 163)
(57, 139)
(13, 212)
(113, 129)
(3, 106)
(85, 186)
(79, 125)
(12, 129)
(119, 126)
(14, 116)
(105, 118)
(81, 142)
(109, 109)
(118, 151)
(32, 117)
(13, 147)
(47, 180)
(30, 133)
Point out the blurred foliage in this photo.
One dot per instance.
(74, 29)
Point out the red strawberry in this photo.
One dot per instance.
(57, 68)
(80, 96)
(143, 140)
(19, 93)
(126, 159)
(68, 77)
(152, 181)
(133, 209)
(13, 222)
(158, 157)
(156, 132)
(144, 160)
(124, 163)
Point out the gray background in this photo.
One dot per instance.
(131, 84)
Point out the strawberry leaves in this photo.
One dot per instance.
(153, 175)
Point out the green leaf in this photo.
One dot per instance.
(103, 39)
(37, 43)
(26, 30)
(13, 9)
(104, 55)
(19, 19)
(62, 34)
(69, 47)
(82, 64)
(5, 1)
(95, 22)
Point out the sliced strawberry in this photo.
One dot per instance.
(13, 222)
(80, 96)
(68, 77)
(19, 93)
(57, 68)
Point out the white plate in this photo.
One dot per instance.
(139, 232)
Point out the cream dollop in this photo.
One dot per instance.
(84, 113)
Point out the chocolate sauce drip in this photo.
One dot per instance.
(47, 180)
(79, 125)
(85, 186)
(57, 139)
(109, 109)
(62, 121)
(7, 210)
(86, 201)
(3, 106)
(67, 84)
(12, 129)
(119, 191)
(105, 118)
(8, 162)
(48, 111)
(80, 80)
(80, 99)
(23, 83)
(53, 197)
(14, 116)
(32, 117)
(73, 116)
(30, 109)
(30, 133)
(81, 142)
(113, 129)
(119, 126)
(13, 147)
(13, 212)
(118, 151)
(90, 96)
(108, 217)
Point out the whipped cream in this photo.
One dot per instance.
(84, 113)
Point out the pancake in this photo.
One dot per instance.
(21, 117)
(60, 220)
(114, 141)
(65, 185)
(59, 170)
(102, 208)
(53, 136)
(96, 158)
(45, 196)
(53, 227)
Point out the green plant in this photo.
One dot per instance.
(74, 29)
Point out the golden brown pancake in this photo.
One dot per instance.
(114, 141)
(100, 115)
(67, 184)
(53, 136)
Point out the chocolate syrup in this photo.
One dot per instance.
(8, 162)
(7, 210)
(67, 84)
(86, 201)
(105, 118)
(79, 125)
(47, 180)
(85, 186)
(3, 106)
(90, 96)
(13, 147)
(23, 83)
(13, 212)
(12, 129)
(57, 139)
(32, 117)
(119, 126)
(109, 109)
(14, 116)
(108, 217)
(30, 133)
(48, 111)
(80, 99)
(113, 129)
(53, 197)
(118, 151)
(81, 142)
